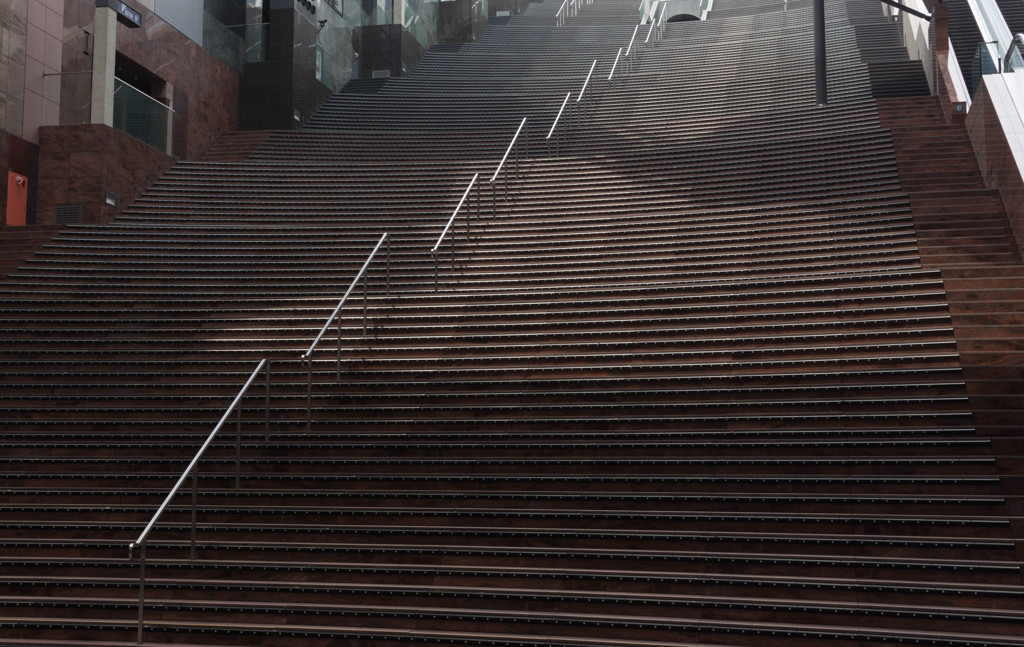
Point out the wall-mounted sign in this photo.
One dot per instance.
(126, 15)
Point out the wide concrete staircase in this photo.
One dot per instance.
(686, 373)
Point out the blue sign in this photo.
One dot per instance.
(125, 15)
(133, 16)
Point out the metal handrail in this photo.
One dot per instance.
(508, 150)
(1018, 44)
(448, 226)
(554, 125)
(501, 165)
(191, 471)
(580, 105)
(559, 115)
(612, 73)
(587, 81)
(560, 14)
(631, 39)
(308, 356)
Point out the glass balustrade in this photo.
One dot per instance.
(141, 116)
(257, 42)
(985, 61)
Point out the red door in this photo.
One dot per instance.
(17, 199)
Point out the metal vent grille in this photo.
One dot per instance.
(67, 214)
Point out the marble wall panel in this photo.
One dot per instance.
(81, 163)
(13, 43)
(210, 88)
(999, 148)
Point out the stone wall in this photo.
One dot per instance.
(80, 164)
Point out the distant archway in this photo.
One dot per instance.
(682, 17)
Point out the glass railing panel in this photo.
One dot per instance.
(141, 116)
(226, 42)
(257, 42)
(985, 61)
(1013, 61)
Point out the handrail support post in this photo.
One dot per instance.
(365, 283)
(142, 588)
(309, 395)
(266, 403)
(238, 447)
(195, 499)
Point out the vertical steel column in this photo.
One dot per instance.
(366, 282)
(820, 73)
(337, 359)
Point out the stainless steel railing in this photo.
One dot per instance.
(584, 100)
(1016, 45)
(307, 357)
(435, 250)
(615, 64)
(630, 50)
(561, 14)
(191, 470)
(501, 165)
(554, 125)
(569, 8)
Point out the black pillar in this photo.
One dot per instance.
(820, 75)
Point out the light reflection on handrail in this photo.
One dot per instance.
(191, 471)
(628, 49)
(307, 358)
(612, 73)
(448, 226)
(199, 454)
(440, 238)
(351, 287)
(557, 117)
(508, 150)
(584, 88)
